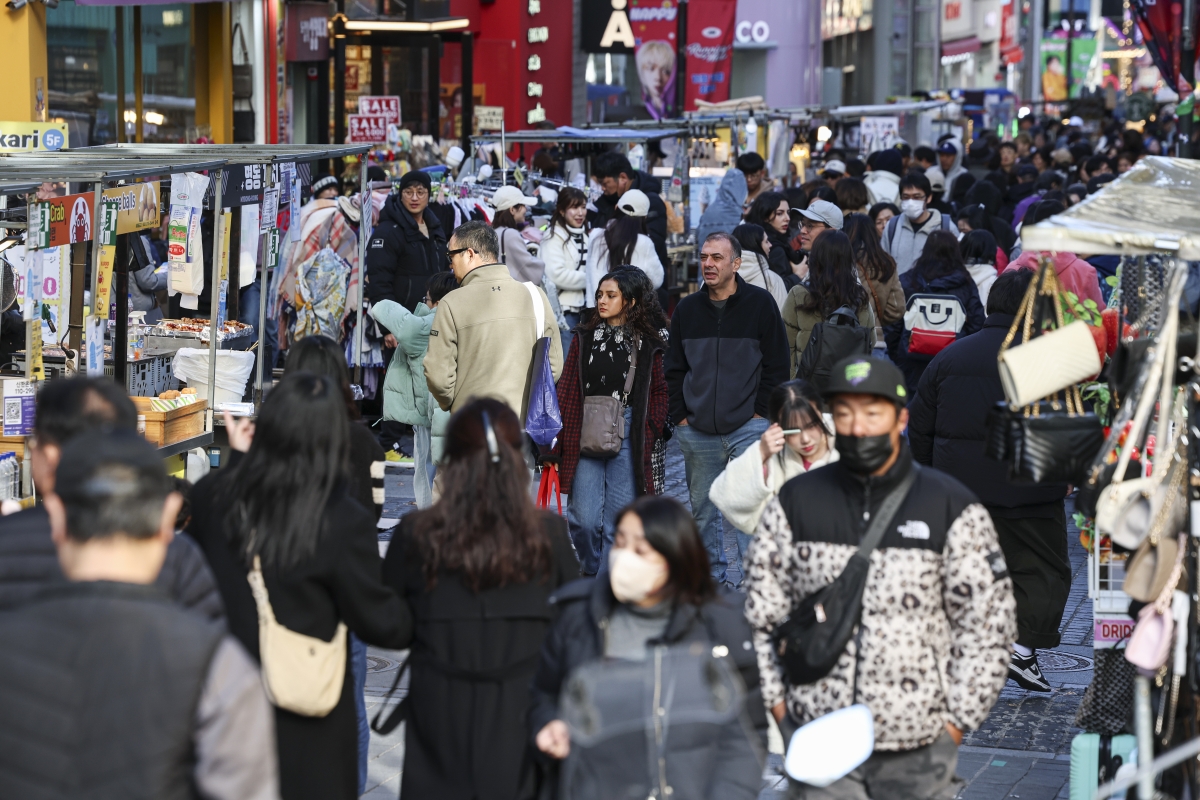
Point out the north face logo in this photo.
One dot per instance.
(914, 529)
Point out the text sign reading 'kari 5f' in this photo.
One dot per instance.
(32, 137)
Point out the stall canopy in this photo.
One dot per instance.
(1149, 209)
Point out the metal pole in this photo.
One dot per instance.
(120, 292)
(75, 315)
(214, 294)
(366, 212)
(339, 95)
(137, 74)
(503, 155)
(1070, 49)
(268, 183)
(1145, 734)
(468, 92)
(1033, 56)
(120, 75)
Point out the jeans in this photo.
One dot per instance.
(572, 318)
(600, 489)
(422, 466)
(358, 663)
(705, 456)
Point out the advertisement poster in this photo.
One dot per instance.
(709, 50)
(20, 401)
(655, 27)
(877, 133)
(72, 215)
(367, 128)
(1054, 67)
(32, 137)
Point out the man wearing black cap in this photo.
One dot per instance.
(930, 652)
(326, 187)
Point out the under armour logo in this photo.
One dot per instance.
(495, 288)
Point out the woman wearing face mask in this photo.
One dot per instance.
(598, 365)
(657, 590)
(800, 439)
(564, 249)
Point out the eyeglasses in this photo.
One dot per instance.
(450, 254)
(415, 194)
(810, 225)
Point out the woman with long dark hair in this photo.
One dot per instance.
(876, 270)
(832, 284)
(772, 212)
(287, 503)
(623, 242)
(756, 268)
(478, 568)
(564, 249)
(598, 365)
(657, 590)
(979, 253)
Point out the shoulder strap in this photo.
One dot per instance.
(501, 238)
(539, 313)
(400, 712)
(948, 224)
(887, 511)
(637, 343)
(890, 230)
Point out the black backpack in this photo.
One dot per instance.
(840, 336)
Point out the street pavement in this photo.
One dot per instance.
(1021, 751)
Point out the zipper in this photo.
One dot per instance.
(717, 377)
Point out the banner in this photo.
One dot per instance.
(1054, 67)
(877, 133)
(32, 137)
(72, 216)
(709, 50)
(655, 24)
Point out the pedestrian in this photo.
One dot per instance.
(1018, 193)
(881, 214)
(321, 355)
(286, 505)
(930, 652)
(950, 167)
(772, 212)
(68, 408)
(939, 271)
(756, 269)
(883, 181)
(511, 207)
(1074, 274)
(406, 247)
(948, 430)
(820, 216)
(754, 167)
(598, 365)
(834, 171)
(904, 237)
(876, 271)
(725, 211)
(478, 568)
(564, 249)
(925, 157)
(980, 253)
(616, 177)
(105, 689)
(799, 439)
(657, 591)
(852, 196)
(833, 283)
(483, 334)
(727, 352)
(989, 199)
(623, 242)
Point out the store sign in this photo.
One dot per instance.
(307, 32)
(1008, 26)
(958, 19)
(380, 106)
(709, 50)
(842, 17)
(489, 118)
(132, 208)
(367, 129)
(32, 137)
(604, 27)
(242, 185)
(1107, 631)
(758, 31)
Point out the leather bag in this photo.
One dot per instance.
(301, 674)
(1150, 642)
(1149, 567)
(243, 74)
(603, 427)
(811, 639)
(1049, 363)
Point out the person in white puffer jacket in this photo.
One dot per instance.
(626, 236)
(565, 249)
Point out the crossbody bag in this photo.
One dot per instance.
(603, 427)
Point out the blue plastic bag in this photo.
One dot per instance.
(543, 420)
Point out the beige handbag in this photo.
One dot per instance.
(1149, 567)
(1048, 364)
(302, 674)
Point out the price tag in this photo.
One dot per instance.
(269, 210)
(94, 341)
(35, 370)
(108, 223)
(272, 247)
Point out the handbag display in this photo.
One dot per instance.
(1108, 700)
(1049, 363)
(243, 74)
(603, 427)
(1150, 642)
(301, 674)
(1149, 567)
(810, 640)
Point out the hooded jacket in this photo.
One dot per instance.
(1075, 274)
(656, 220)
(756, 271)
(725, 212)
(883, 182)
(904, 241)
(406, 395)
(956, 169)
(938, 611)
(400, 258)
(959, 284)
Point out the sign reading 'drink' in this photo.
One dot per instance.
(387, 106)
(367, 129)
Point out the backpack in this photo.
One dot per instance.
(933, 321)
(889, 232)
(840, 336)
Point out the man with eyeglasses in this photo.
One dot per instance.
(820, 216)
(905, 235)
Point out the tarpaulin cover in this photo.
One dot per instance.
(1151, 208)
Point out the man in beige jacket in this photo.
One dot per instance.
(483, 335)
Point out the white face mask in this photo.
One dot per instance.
(912, 208)
(634, 577)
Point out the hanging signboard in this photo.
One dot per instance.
(709, 50)
(489, 118)
(134, 208)
(878, 133)
(242, 184)
(367, 129)
(32, 137)
(380, 106)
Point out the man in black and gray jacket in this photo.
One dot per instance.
(728, 351)
(930, 651)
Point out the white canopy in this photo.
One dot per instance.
(1155, 207)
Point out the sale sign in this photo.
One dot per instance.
(380, 106)
(710, 26)
(367, 129)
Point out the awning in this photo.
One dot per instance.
(960, 47)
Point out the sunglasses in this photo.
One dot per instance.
(450, 254)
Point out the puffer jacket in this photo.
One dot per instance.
(564, 249)
(938, 609)
(405, 392)
(400, 258)
(882, 187)
(1075, 274)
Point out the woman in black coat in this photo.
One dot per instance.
(657, 590)
(287, 502)
(477, 568)
(772, 212)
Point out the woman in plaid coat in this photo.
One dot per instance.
(598, 365)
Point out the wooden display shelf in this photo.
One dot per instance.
(167, 427)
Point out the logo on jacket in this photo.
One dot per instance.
(858, 372)
(377, 243)
(914, 529)
(995, 560)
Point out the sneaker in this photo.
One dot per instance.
(396, 457)
(1026, 672)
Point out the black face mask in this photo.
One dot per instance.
(864, 454)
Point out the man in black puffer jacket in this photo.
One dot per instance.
(947, 428)
(406, 247)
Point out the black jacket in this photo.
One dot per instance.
(958, 284)
(948, 419)
(577, 638)
(721, 366)
(656, 220)
(400, 258)
(1016, 193)
(782, 257)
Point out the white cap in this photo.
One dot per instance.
(509, 196)
(634, 203)
(1076, 122)
(835, 166)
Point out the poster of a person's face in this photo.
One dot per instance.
(1054, 80)
(656, 72)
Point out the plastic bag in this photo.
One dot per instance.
(543, 420)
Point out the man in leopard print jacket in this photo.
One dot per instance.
(931, 651)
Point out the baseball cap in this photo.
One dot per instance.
(634, 203)
(867, 375)
(835, 166)
(509, 196)
(947, 147)
(822, 211)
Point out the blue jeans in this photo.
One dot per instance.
(600, 489)
(705, 456)
(572, 318)
(248, 300)
(422, 466)
(358, 663)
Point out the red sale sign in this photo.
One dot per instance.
(367, 129)
(380, 106)
(709, 50)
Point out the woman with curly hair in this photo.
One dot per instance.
(598, 365)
